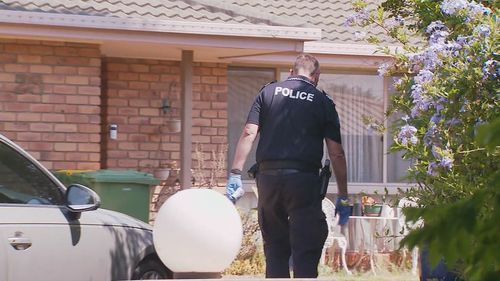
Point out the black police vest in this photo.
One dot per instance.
(293, 117)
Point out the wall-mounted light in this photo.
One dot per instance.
(113, 131)
(165, 105)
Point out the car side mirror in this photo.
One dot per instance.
(80, 198)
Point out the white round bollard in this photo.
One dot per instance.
(197, 230)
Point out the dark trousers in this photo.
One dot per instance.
(292, 223)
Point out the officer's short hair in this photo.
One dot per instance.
(305, 63)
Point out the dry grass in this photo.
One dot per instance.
(341, 276)
(371, 277)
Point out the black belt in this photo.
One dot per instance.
(287, 165)
(279, 172)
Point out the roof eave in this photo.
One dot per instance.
(154, 25)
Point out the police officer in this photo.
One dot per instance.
(293, 118)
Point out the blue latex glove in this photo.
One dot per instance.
(234, 187)
(343, 209)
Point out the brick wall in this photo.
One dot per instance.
(133, 94)
(51, 104)
(210, 93)
(50, 100)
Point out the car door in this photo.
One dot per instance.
(39, 238)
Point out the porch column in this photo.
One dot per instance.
(186, 117)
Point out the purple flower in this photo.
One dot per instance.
(435, 152)
(490, 68)
(382, 68)
(453, 47)
(430, 135)
(415, 112)
(432, 169)
(407, 135)
(424, 76)
(429, 58)
(436, 118)
(446, 162)
(438, 105)
(463, 40)
(438, 37)
(416, 91)
(421, 105)
(482, 30)
(476, 9)
(450, 7)
(444, 157)
(435, 26)
(358, 17)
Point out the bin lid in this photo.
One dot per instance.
(120, 176)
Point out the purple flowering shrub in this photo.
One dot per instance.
(448, 87)
(448, 63)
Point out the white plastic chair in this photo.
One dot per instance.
(406, 226)
(333, 233)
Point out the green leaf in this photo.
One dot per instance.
(488, 135)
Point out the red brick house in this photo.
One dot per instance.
(71, 69)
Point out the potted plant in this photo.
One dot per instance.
(163, 170)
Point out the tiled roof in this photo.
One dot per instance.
(150, 9)
(329, 15)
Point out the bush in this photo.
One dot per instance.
(448, 90)
(250, 259)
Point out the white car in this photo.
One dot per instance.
(50, 232)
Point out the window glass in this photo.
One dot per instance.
(357, 96)
(397, 167)
(22, 182)
(243, 86)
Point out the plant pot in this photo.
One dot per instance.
(372, 210)
(161, 173)
(173, 125)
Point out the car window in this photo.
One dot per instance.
(22, 182)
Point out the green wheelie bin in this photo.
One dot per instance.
(125, 191)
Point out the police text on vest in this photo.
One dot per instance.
(290, 93)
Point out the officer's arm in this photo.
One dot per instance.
(244, 146)
(339, 165)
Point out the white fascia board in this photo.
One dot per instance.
(152, 25)
(101, 36)
(330, 48)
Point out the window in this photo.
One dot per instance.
(356, 96)
(397, 167)
(22, 182)
(243, 86)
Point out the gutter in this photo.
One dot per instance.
(164, 26)
(331, 48)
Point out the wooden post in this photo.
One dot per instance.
(186, 116)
